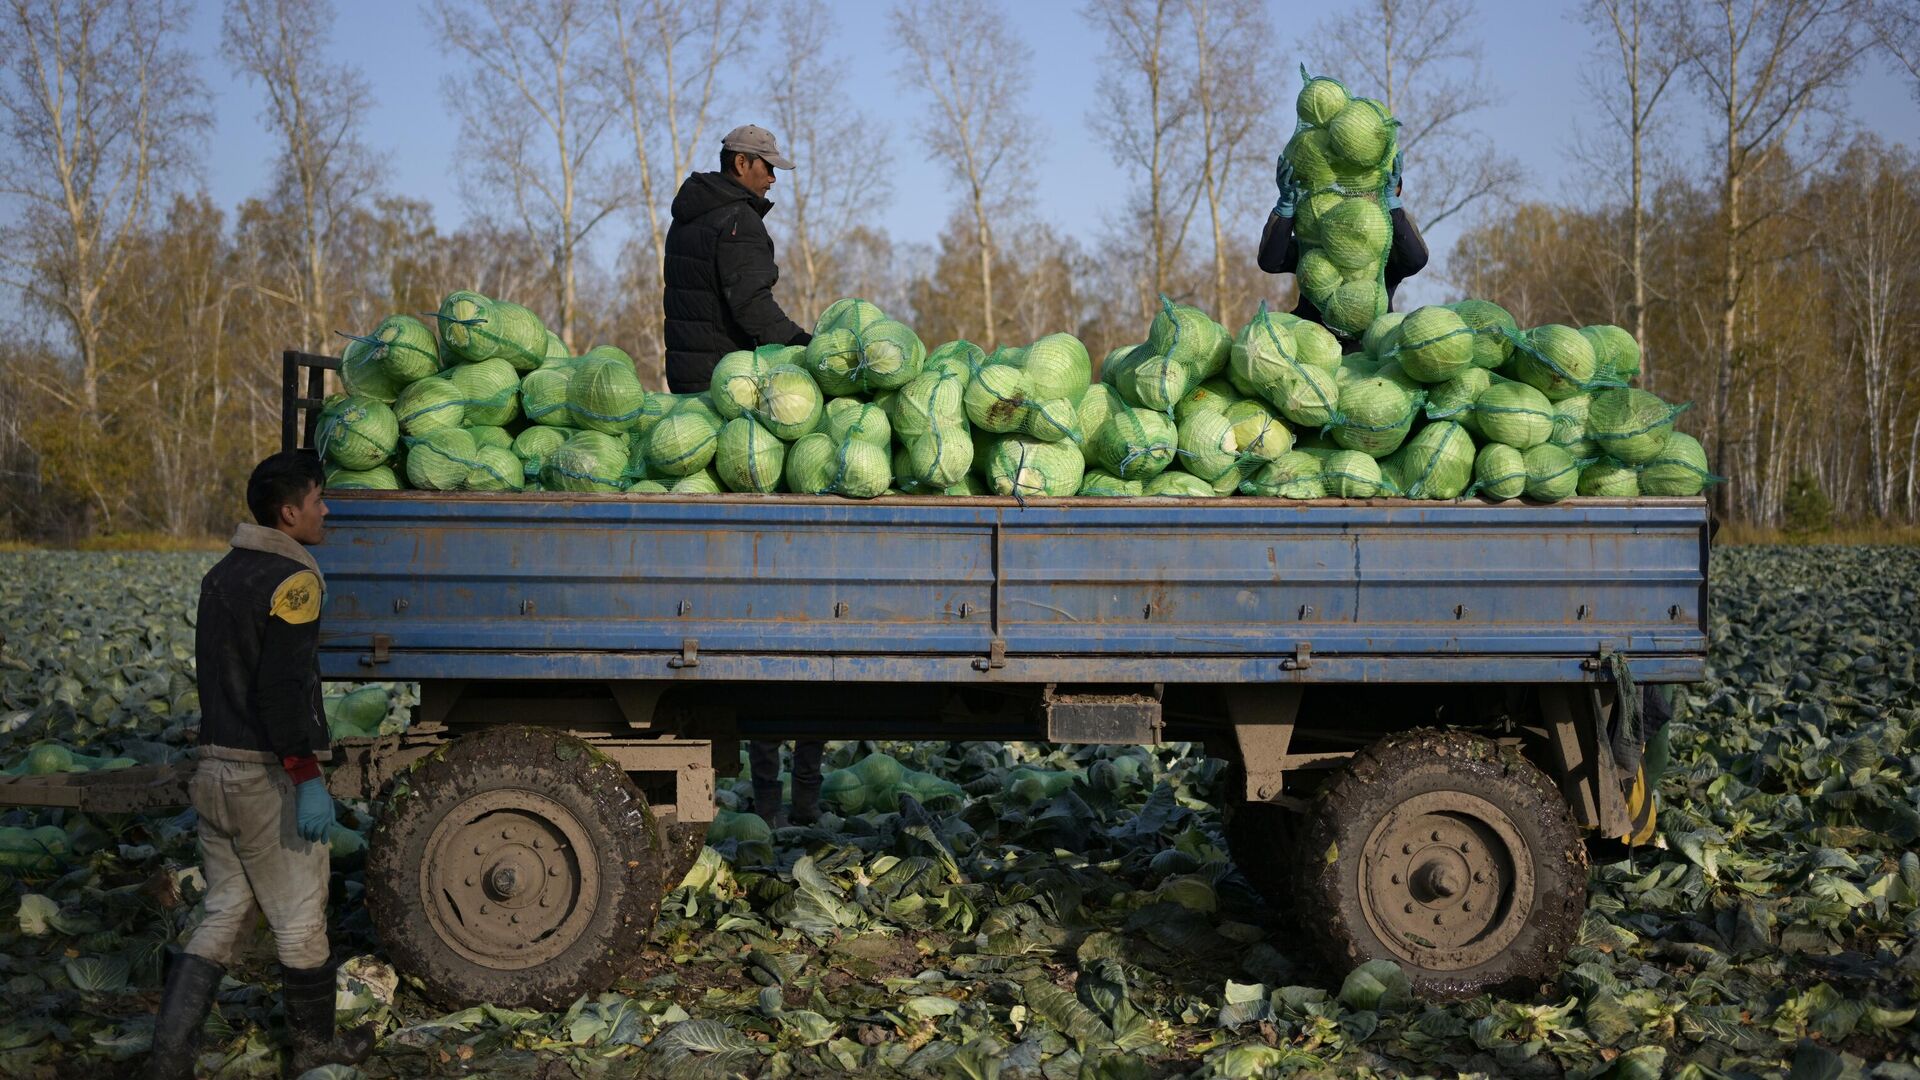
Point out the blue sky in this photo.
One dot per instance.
(1533, 51)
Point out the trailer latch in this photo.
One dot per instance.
(689, 654)
(1599, 662)
(996, 656)
(380, 654)
(1301, 660)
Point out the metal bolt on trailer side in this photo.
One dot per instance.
(1417, 698)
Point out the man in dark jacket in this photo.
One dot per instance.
(1280, 249)
(263, 806)
(719, 269)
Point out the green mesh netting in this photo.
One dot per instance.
(1134, 444)
(495, 468)
(543, 394)
(1500, 472)
(684, 440)
(1610, 479)
(356, 432)
(1630, 425)
(995, 398)
(477, 328)
(1515, 414)
(604, 394)
(1361, 133)
(1556, 360)
(748, 458)
(1679, 469)
(534, 445)
(1455, 398)
(399, 352)
(933, 461)
(1258, 433)
(430, 405)
(587, 461)
(490, 390)
(1097, 484)
(1214, 395)
(788, 402)
(933, 400)
(1375, 416)
(848, 419)
(1435, 344)
(1491, 325)
(1349, 474)
(442, 459)
(1025, 467)
(1436, 463)
(957, 358)
(1552, 473)
(1616, 355)
(1207, 446)
(378, 478)
(1293, 475)
(1175, 484)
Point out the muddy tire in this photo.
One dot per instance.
(518, 867)
(1448, 854)
(1261, 837)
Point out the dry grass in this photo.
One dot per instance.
(1735, 533)
(141, 541)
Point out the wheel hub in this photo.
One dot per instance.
(509, 879)
(1447, 880)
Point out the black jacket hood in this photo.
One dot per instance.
(705, 192)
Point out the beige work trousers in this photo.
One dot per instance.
(256, 863)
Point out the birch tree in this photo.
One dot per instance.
(1144, 115)
(316, 109)
(1869, 211)
(1761, 66)
(839, 182)
(101, 106)
(1895, 25)
(532, 125)
(965, 58)
(1428, 60)
(1644, 69)
(1232, 41)
(663, 64)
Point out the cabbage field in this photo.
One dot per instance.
(995, 910)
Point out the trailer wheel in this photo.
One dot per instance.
(1448, 854)
(516, 866)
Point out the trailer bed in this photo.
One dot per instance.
(788, 588)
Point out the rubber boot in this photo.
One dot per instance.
(191, 982)
(307, 994)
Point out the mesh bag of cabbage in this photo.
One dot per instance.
(1266, 360)
(1342, 153)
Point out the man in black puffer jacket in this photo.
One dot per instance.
(720, 271)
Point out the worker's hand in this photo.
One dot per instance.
(1289, 191)
(313, 809)
(1393, 184)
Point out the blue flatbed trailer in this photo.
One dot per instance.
(1423, 706)
(1286, 636)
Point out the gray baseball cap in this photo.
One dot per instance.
(758, 141)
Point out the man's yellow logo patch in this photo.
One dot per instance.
(297, 600)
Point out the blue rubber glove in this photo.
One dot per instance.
(1393, 185)
(313, 809)
(1289, 191)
